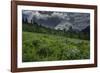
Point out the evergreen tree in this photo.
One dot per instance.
(26, 20)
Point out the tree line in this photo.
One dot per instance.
(38, 28)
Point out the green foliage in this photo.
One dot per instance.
(48, 47)
(46, 44)
(38, 28)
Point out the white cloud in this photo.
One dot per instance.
(26, 12)
(45, 16)
(60, 15)
(41, 16)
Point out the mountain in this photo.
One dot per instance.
(80, 20)
(63, 26)
(58, 20)
(86, 30)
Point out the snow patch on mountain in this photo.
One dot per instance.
(63, 26)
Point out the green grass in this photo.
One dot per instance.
(46, 47)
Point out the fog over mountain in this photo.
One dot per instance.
(58, 20)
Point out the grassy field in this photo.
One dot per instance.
(45, 47)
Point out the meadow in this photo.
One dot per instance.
(48, 47)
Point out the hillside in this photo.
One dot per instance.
(38, 28)
(46, 47)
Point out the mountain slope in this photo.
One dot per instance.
(58, 20)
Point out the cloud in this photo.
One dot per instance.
(41, 16)
(45, 16)
(27, 12)
(60, 15)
